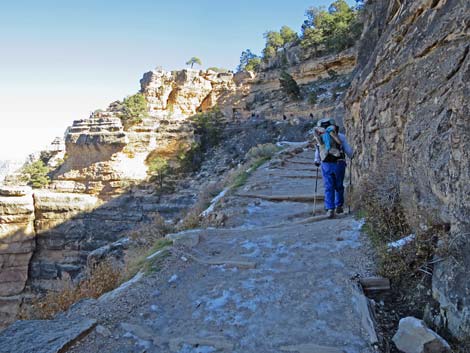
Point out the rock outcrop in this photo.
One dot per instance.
(17, 243)
(409, 102)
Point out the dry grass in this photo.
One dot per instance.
(107, 275)
(255, 157)
(149, 233)
(378, 198)
(262, 151)
(103, 278)
(192, 219)
(137, 259)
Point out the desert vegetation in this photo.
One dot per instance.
(324, 31)
(131, 110)
(36, 175)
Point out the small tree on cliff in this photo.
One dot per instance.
(194, 60)
(274, 41)
(288, 35)
(337, 28)
(159, 168)
(133, 109)
(289, 85)
(35, 174)
(249, 61)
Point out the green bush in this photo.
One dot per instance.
(249, 61)
(312, 98)
(190, 159)
(254, 64)
(159, 168)
(208, 126)
(262, 151)
(133, 109)
(289, 85)
(36, 174)
(336, 29)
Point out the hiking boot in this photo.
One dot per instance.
(330, 213)
(339, 209)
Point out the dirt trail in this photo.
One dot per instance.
(274, 280)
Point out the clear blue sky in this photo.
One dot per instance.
(62, 59)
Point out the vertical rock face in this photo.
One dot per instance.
(17, 243)
(182, 93)
(409, 101)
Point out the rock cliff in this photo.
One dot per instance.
(409, 102)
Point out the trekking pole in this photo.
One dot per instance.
(315, 196)
(350, 187)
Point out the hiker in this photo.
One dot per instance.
(330, 153)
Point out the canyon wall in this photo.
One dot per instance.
(409, 103)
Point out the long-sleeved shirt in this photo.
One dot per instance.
(344, 144)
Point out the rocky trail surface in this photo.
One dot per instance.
(274, 279)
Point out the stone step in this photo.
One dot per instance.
(280, 198)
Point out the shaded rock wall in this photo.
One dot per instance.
(409, 102)
(17, 244)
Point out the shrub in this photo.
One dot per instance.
(147, 234)
(378, 196)
(190, 158)
(256, 157)
(209, 126)
(159, 168)
(262, 151)
(133, 109)
(335, 29)
(312, 98)
(192, 219)
(137, 258)
(289, 85)
(35, 174)
(253, 64)
(249, 61)
(103, 278)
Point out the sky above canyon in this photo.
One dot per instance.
(60, 60)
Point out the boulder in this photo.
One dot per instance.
(414, 337)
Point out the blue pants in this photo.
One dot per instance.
(333, 176)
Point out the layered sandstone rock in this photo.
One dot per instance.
(409, 102)
(101, 158)
(183, 93)
(17, 243)
(326, 78)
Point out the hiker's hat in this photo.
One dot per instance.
(325, 122)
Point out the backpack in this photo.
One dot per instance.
(330, 150)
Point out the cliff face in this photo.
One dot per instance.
(409, 102)
(17, 243)
(322, 81)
